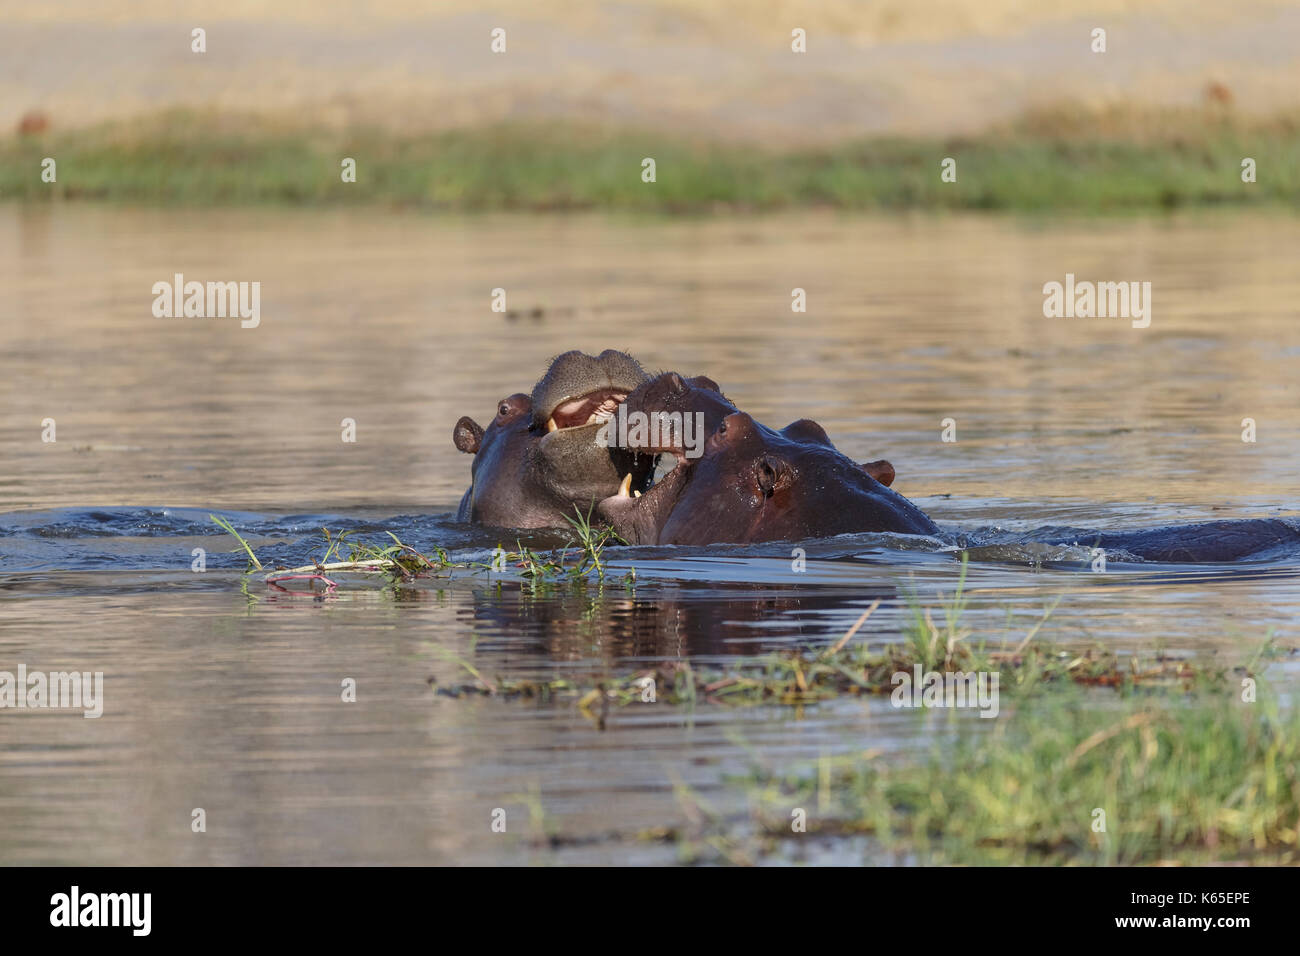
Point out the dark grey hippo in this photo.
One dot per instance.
(538, 461)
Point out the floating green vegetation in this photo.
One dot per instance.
(1060, 779)
(798, 677)
(1061, 159)
(253, 563)
(579, 561)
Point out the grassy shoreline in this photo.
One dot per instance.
(1154, 780)
(1062, 160)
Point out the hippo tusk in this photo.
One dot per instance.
(550, 424)
(626, 486)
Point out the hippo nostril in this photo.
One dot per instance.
(769, 474)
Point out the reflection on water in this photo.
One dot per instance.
(229, 698)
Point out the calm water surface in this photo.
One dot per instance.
(225, 695)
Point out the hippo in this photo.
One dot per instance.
(538, 462)
(548, 454)
(676, 397)
(754, 484)
(1205, 542)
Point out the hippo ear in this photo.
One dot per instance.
(703, 381)
(807, 430)
(467, 435)
(880, 470)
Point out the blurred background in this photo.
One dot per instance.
(722, 68)
(522, 170)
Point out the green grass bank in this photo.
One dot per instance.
(1068, 160)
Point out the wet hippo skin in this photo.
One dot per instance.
(540, 459)
(1206, 542)
(756, 484)
(672, 394)
(538, 463)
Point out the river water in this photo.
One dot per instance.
(223, 694)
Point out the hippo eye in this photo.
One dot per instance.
(504, 410)
(722, 428)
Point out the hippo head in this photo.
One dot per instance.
(539, 460)
(686, 411)
(755, 484)
(668, 419)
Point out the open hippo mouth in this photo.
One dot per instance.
(594, 408)
(659, 461)
(645, 498)
(579, 390)
(575, 399)
(668, 472)
(578, 421)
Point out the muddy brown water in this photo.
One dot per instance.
(224, 695)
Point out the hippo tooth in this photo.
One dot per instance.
(550, 425)
(625, 486)
(636, 494)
